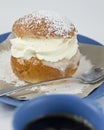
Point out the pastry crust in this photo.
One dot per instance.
(43, 24)
(34, 70)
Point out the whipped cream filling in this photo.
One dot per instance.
(64, 63)
(50, 49)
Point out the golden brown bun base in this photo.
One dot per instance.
(34, 70)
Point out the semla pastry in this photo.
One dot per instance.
(45, 47)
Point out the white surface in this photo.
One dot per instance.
(87, 16)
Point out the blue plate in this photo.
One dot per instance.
(97, 93)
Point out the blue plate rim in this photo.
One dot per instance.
(93, 95)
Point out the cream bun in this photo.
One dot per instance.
(45, 47)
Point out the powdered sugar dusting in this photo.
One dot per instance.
(6, 73)
(65, 87)
(60, 26)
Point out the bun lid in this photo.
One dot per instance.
(45, 24)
